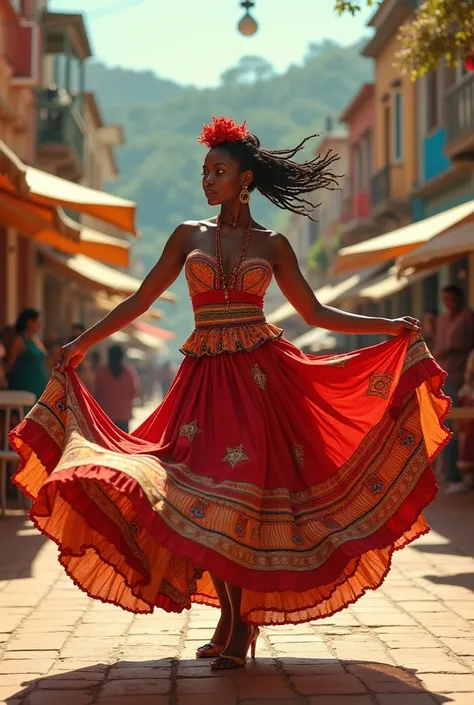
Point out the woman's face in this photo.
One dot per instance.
(34, 325)
(222, 177)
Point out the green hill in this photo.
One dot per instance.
(161, 160)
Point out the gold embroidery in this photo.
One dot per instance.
(339, 360)
(259, 377)
(190, 430)
(298, 454)
(417, 351)
(235, 456)
(380, 384)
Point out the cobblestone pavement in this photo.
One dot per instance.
(409, 643)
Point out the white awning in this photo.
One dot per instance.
(400, 242)
(445, 248)
(326, 295)
(317, 339)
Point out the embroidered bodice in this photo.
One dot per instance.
(227, 325)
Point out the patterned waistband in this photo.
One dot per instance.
(211, 310)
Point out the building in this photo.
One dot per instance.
(63, 239)
(19, 76)
(359, 116)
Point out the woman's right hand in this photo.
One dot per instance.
(70, 355)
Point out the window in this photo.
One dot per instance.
(397, 127)
(432, 102)
(387, 121)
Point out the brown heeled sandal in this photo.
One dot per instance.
(230, 663)
(210, 650)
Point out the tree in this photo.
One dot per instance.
(250, 69)
(441, 28)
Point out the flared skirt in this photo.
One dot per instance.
(292, 476)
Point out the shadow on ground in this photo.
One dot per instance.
(20, 543)
(453, 518)
(264, 681)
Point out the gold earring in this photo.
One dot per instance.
(244, 195)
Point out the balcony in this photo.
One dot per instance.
(387, 196)
(357, 221)
(459, 101)
(61, 135)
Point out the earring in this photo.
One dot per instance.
(244, 195)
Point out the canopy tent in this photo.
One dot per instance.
(41, 188)
(400, 242)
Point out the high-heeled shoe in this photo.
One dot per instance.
(229, 663)
(210, 650)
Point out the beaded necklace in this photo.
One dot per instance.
(235, 271)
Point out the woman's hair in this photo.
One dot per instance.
(455, 291)
(28, 314)
(276, 175)
(116, 357)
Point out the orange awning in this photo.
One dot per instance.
(150, 329)
(42, 188)
(52, 227)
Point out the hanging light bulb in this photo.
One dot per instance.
(247, 25)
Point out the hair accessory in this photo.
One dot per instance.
(222, 129)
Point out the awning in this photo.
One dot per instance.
(403, 240)
(156, 332)
(441, 250)
(107, 303)
(46, 189)
(326, 295)
(316, 339)
(390, 283)
(99, 276)
(52, 227)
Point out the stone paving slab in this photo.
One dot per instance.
(410, 643)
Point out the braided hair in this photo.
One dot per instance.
(276, 175)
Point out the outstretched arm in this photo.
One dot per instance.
(298, 292)
(163, 274)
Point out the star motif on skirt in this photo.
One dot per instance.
(235, 456)
(190, 430)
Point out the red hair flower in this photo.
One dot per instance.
(222, 129)
(469, 61)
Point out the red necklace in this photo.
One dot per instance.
(235, 271)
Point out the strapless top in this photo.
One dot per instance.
(231, 325)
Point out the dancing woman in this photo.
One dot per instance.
(271, 484)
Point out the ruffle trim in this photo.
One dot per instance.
(230, 339)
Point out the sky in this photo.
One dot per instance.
(194, 41)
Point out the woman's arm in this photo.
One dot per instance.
(298, 292)
(163, 274)
(16, 349)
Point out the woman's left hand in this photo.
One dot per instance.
(397, 326)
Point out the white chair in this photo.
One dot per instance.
(10, 402)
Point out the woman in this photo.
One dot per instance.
(26, 364)
(466, 426)
(268, 483)
(116, 386)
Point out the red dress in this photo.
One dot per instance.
(293, 476)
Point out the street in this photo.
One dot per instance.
(410, 643)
